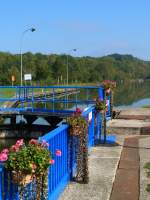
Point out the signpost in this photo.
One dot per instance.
(28, 77)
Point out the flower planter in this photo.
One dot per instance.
(21, 179)
(75, 131)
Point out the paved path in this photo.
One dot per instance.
(116, 173)
(103, 162)
(131, 122)
(126, 184)
(131, 179)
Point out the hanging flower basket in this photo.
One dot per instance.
(75, 131)
(108, 85)
(100, 105)
(77, 123)
(21, 179)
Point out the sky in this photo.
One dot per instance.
(93, 27)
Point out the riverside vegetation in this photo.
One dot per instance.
(51, 69)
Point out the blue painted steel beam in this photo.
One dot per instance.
(51, 87)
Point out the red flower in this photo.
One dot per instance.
(14, 148)
(51, 162)
(78, 110)
(58, 152)
(33, 141)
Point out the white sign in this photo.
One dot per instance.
(90, 116)
(27, 77)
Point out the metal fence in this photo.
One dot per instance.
(63, 169)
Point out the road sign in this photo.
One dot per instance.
(27, 77)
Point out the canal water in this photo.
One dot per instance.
(132, 95)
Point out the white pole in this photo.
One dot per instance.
(21, 42)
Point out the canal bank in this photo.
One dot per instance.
(134, 121)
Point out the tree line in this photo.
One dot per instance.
(52, 69)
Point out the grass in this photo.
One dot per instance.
(147, 166)
(146, 106)
(7, 92)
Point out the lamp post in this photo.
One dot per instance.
(21, 42)
(68, 62)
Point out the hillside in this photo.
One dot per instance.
(49, 69)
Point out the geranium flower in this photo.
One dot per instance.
(78, 110)
(3, 157)
(44, 143)
(58, 152)
(14, 148)
(33, 141)
(52, 162)
(6, 151)
(20, 142)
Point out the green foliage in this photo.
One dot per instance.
(146, 106)
(77, 123)
(77, 120)
(147, 166)
(31, 158)
(51, 69)
(148, 188)
(100, 105)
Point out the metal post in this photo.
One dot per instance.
(21, 42)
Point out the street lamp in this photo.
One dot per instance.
(68, 63)
(21, 42)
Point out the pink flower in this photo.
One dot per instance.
(44, 143)
(19, 143)
(14, 148)
(78, 110)
(33, 141)
(51, 162)
(6, 151)
(3, 157)
(58, 152)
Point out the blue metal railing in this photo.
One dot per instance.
(54, 95)
(61, 172)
